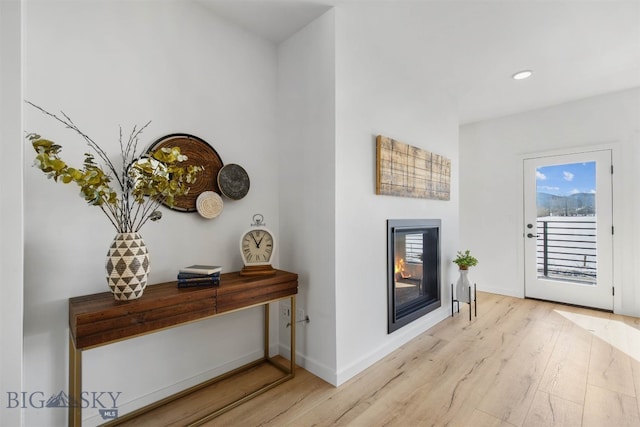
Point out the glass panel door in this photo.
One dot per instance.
(568, 234)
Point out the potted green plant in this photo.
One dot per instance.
(128, 193)
(464, 260)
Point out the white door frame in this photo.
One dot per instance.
(616, 214)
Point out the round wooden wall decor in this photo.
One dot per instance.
(199, 153)
(209, 204)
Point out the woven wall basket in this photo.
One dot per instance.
(127, 266)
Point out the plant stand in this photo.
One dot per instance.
(457, 302)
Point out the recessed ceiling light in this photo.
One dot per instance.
(521, 75)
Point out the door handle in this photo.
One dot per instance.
(531, 235)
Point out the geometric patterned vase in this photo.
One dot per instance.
(127, 266)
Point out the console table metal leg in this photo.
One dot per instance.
(292, 330)
(288, 375)
(75, 385)
(292, 357)
(266, 331)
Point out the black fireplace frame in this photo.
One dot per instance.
(396, 319)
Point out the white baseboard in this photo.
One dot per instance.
(311, 365)
(503, 291)
(400, 338)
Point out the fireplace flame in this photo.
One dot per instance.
(399, 270)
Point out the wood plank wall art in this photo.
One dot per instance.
(407, 171)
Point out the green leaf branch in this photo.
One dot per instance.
(141, 183)
(465, 260)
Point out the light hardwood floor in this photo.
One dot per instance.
(519, 363)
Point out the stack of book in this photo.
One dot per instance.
(199, 275)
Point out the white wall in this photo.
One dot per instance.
(306, 124)
(334, 224)
(375, 94)
(491, 154)
(122, 63)
(11, 223)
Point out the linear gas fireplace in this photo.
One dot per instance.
(413, 269)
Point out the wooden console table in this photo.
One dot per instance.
(97, 320)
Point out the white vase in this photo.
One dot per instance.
(127, 266)
(462, 287)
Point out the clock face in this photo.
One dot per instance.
(257, 247)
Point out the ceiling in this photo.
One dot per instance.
(576, 49)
